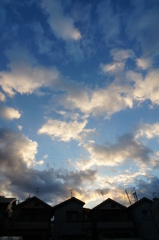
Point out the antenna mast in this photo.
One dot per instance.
(135, 195)
(102, 193)
(128, 197)
(71, 193)
(37, 190)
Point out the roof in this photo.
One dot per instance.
(86, 210)
(72, 199)
(144, 199)
(28, 200)
(106, 201)
(5, 200)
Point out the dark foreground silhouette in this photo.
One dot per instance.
(69, 220)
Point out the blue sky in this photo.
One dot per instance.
(79, 99)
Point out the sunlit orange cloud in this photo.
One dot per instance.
(95, 197)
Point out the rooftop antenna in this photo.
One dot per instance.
(71, 193)
(128, 197)
(37, 190)
(102, 193)
(135, 195)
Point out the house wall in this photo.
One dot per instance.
(30, 220)
(63, 224)
(146, 220)
(111, 221)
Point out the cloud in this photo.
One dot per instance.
(148, 188)
(21, 179)
(28, 78)
(106, 101)
(64, 131)
(117, 67)
(144, 63)
(120, 55)
(25, 79)
(114, 67)
(63, 26)
(2, 97)
(127, 148)
(77, 178)
(147, 88)
(148, 130)
(41, 162)
(9, 113)
(19, 127)
(16, 150)
(17, 158)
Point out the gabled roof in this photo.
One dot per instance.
(108, 201)
(72, 199)
(144, 199)
(28, 200)
(4, 200)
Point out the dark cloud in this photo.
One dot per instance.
(148, 188)
(126, 148)
(17, 158)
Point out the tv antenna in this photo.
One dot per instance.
(102, 193)
(37, 191)
(71, 191)
(128, 197)
(135, 195)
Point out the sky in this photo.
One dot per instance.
(79, 99)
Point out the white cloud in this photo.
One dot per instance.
(25, 79)
(100, 102)
(9, 113)
(147, 88)
(120, 55)
(148, 130)
(19, 127)
(114, 67)
(144, 63)
(41, 162)
(2, 97)
(62, 25)
(64, 131)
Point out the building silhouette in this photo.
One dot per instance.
(69, 220)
